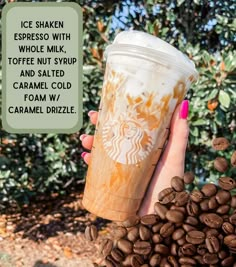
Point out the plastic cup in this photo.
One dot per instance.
(145, 79)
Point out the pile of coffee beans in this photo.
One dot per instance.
(196, 228)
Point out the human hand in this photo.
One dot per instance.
(171, 162)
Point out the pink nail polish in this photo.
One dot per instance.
(83, 154)
(183, 112)
(81, 138)
(91, 112)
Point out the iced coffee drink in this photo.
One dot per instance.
(144, 81)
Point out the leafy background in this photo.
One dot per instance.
(34, 164)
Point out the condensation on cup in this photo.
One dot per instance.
(145, 79)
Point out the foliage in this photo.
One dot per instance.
(204, 30)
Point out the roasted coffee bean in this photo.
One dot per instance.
(136, 260)
(181, 241)
(166, 195)
(210, 258)
(173, 261)
(196, 196)
(204, 204)
(202, 249)
(119, 232)
(110, 262)
(106, 247)
(192, 208)
(220, 143)
(223, 197)
(160, 210)
(212, 244)
(223, 209)
(225, 217)
(162, 249)
(233, 159)
(156, 228)
(145, 265)
(188, 249)
(131, 221)
(188, 227)
(167, 229)
(227, 183)
(125, 246)
(117, 255)
(157, 238)
(174, 249)
(142, 247)
(232, 219)
(127, 261)
(181, 198)
(195, 237)
(230, 241)
(222, 254)
(178, 234)
(155, 260)
(213, 220)
(220, 164)
(188, 177)
(233, 202)
(174, 216)
(211, 232)
(209, 190)
(181, 209)
(144, 233)
(149, 219)
(199, 259)
(133, 234)
(212, 203)
(177, 183)
(192, 220)
(91, 233)
(164, 263)
(227, 262)
(187, 260)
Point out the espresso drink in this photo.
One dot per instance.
(145, 79)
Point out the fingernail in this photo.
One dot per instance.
(183, 112)
(91, 112)
(83, 154)
(81, 138)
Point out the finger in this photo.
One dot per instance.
(86, 157)
(87, 141)
(93, 115)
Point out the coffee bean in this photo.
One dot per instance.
(188, 227)
(172, 260)
(131, 221)
(162, 249)
(178, 233)
(188, 177)
(157, 238)
(110, 262)
(222, 254)
(156, 228)
(199, 259)
(133, 234)
(125, 246)
(227, 262)
(233, 159)
(106, 247)
(212, 244)
(177, 184)
(221, 164)
(142, 247)
(195, 237)
(155, 260)
(174, 249)
(181, 241)
(196, 196)
(192, 208)
(145, 265)
(223, 209)
(136, 260)
(91, 233)
(117, 255)
(213, 220)
(167, 241)
(232, 219)
(119, 232)
(228, 228)
(181, 209)
(149, 219)
(167, 229)
(227, 183)
(166, 195)
(144, 233)
(204, 204)
(230, 241)
(210, 258)
(160, 210)
(181, 198)
(220, 143)
(164, 263)
(212, 203)
(202, 249)
(191, 220)
(223, 197)
(174, 216)
(209, 190)
(211, 232)
(233, 202)
(187, 260)
(188, 249)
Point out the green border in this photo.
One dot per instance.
(78, 9)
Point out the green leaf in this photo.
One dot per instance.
(180, 2)
(212, 94)
(224, 99)
(199, 122)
